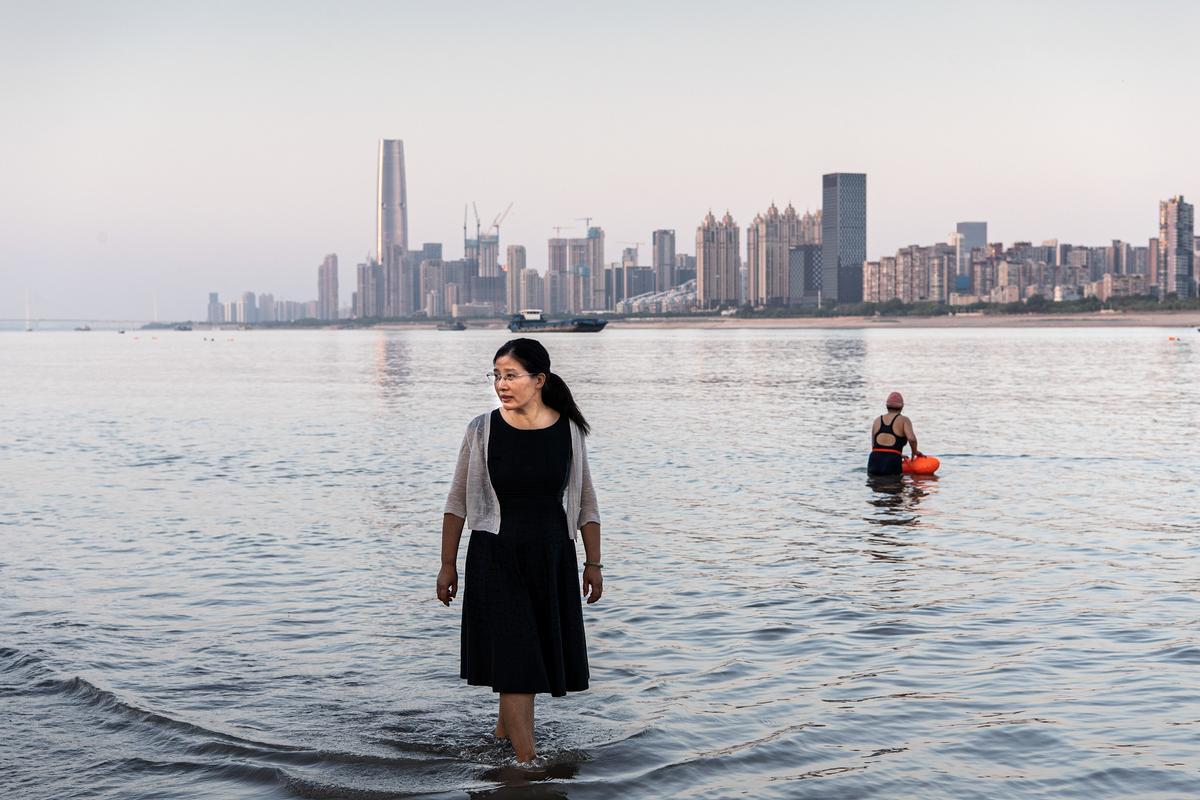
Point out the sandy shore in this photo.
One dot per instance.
(1132, 319)
(1141, 319)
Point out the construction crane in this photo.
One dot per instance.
(500, 218)
(477, 224)
(464, 230)
(558, 229)
(587, 221)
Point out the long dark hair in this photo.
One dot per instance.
(536, 361)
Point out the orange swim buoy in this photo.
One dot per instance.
(923, 465)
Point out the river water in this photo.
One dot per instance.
(218, 555)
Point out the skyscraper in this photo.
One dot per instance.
(664, 259)
(804, 274)
(266, 308)
(843, 236)
(574, 278)
(533, 289)
(327, 288)
(248, 313)
(515, 266)
(1176, 267)
(216, 312)
(718, 262)
(391, 210)
(594, 263)
(369, 296)
(489, 255)
(973, 235)
(810, 227)
(768, 271)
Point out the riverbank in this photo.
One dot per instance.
(1131, 319)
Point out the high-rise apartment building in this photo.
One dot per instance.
(533, 289)
(410, 299)
(914, 275)
(769, 238)
(391, 210)
(718, 262)
(593, 286)
(1119, 258)
(489, 255)
(664, 259)
(327, 288)
(843, 236)
(369, 294)
(248, 310)
(433, 287)
(216, 311)
(1152, 265)
(810, 227)
(266, 308)
(513, 277)
(1176, 253)
(574, 278)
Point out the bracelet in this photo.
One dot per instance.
(595, 564)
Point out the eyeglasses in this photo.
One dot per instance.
(496, 377)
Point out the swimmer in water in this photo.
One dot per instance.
(889, 434)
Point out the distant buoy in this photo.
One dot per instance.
(922, 465)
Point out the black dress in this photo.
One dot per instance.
(522, 626)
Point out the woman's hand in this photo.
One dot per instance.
(447, 583)
(593, 581)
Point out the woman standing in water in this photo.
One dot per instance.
(889, 434)
(522, 482)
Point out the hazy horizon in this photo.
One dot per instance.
(173, 150)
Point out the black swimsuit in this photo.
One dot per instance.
(886, 459)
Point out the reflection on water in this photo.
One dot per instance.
(897, 497)
(393, 365)
(218, 563)
(527, 782)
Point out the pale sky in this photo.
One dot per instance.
(177, 148)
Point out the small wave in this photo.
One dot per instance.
(34, 676)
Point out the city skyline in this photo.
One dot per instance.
(279, 117)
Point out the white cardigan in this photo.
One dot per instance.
(473, 497)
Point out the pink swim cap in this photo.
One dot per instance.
(895, 400)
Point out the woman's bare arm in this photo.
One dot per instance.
(447, 582)
(593, 581)
(912, 437)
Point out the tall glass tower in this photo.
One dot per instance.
(974, 235)
(391, 210)
(843, 236)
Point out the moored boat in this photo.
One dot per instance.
(533, 320)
